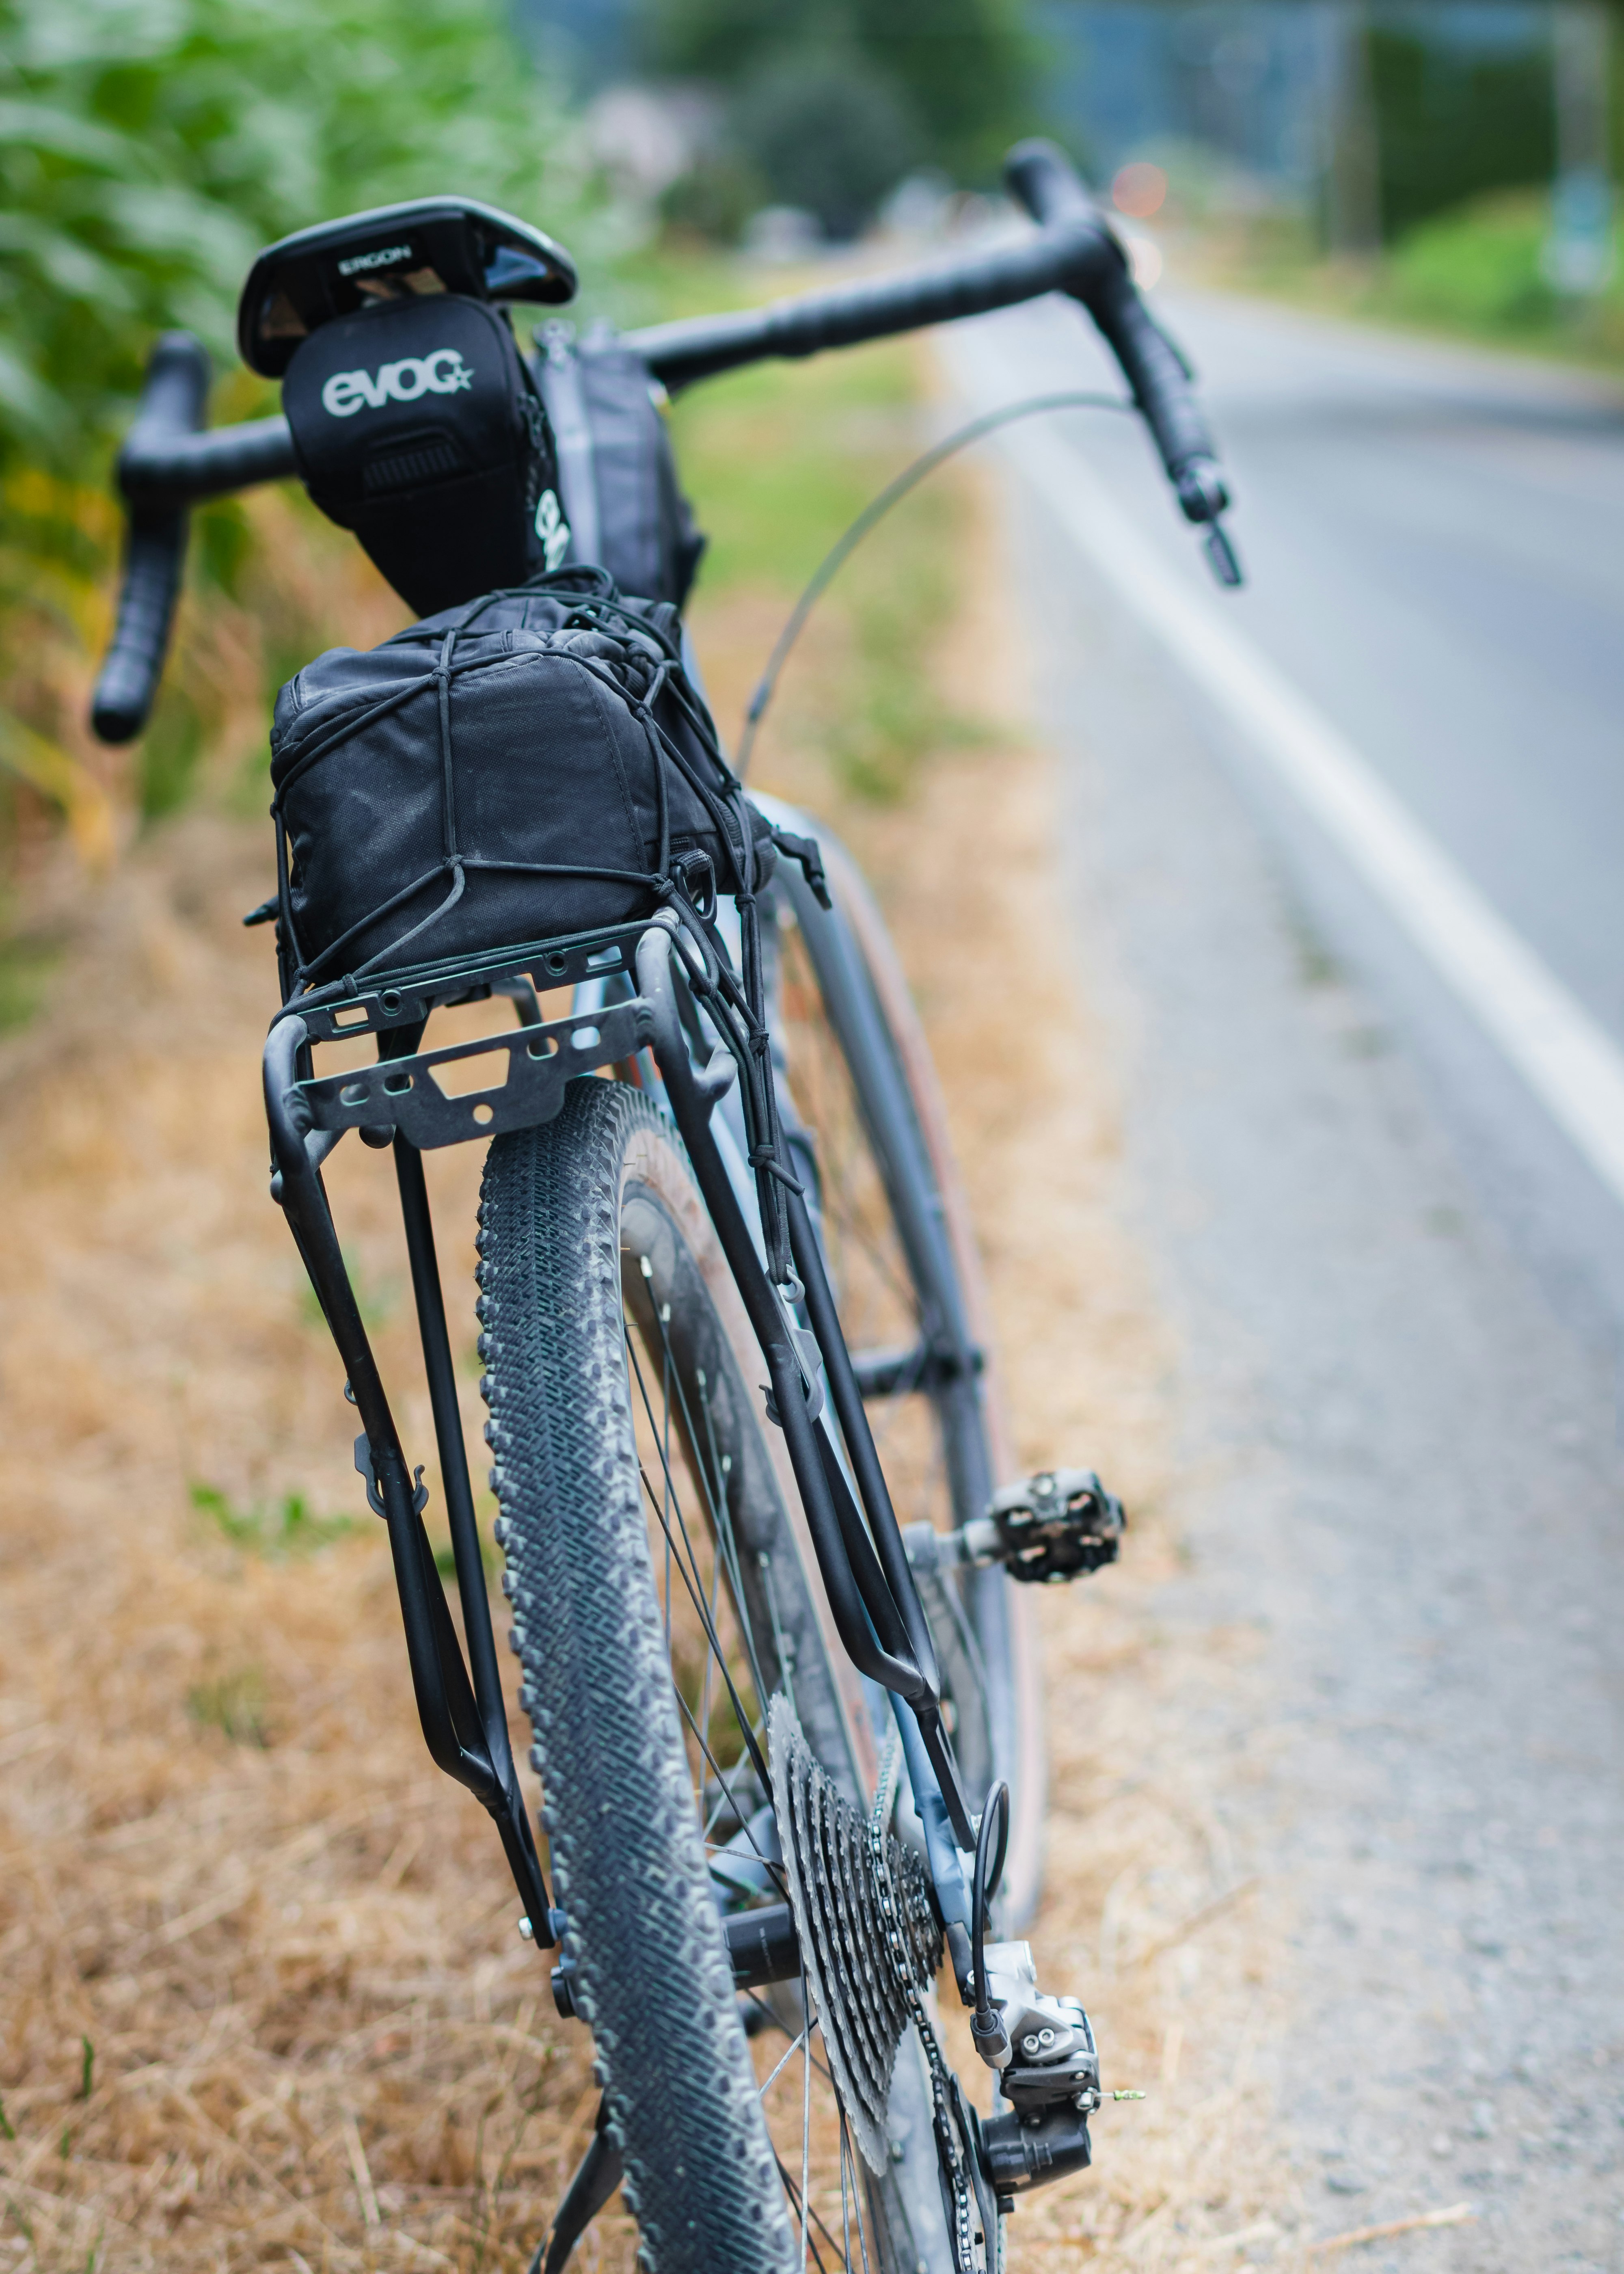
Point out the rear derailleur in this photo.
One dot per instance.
(1043, 2053)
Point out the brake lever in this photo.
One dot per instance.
(1204, 496)
(1222, 557)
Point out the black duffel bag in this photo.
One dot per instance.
(532, 764)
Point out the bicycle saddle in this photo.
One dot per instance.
(393, 252)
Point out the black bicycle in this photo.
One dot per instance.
(746, 1450)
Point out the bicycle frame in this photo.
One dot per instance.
(859, 1548)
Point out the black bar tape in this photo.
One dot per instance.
(155, 556)
(1154, 371)
(1070, 257)
(173, 403)
(1046, 183)
(161, 467)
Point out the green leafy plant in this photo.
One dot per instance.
(234, 1704)
(147, 149)
(286, 1528)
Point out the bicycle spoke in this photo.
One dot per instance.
(746, 1727)
(793, 2047)
(766, 2012)
(848, 2163)
(675, 1502)
(722, 1464)
(716, 1506)
(670, 1500)
(766, 1862)
(805, 2132)
(791, 2190)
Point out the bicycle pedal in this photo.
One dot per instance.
(1047, 1529)
(1057, 1523)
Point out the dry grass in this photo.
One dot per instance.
(230, 1871)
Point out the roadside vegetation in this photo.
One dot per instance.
(1473, 271)
(1448, 221)
(147, 151)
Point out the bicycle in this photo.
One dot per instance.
(788, 1741)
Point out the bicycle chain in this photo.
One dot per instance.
(948, 2147)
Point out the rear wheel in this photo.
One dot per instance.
(662, 1593)
(666, 1592)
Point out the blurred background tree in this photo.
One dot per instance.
(1453, 124)
(1454, 158)
(831, 104)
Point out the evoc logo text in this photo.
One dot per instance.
(443, 372)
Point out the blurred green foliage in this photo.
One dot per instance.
(234, 1704)
(827, 132)
(147, 149)
(1479, 268)
(289, 1528)
(1477, 271)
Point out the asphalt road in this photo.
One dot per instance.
(1398, 1281)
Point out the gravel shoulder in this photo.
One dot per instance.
(1399, 1465)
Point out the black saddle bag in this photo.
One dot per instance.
(532, 764)
(417, 425)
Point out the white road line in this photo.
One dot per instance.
(1568, 1061)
